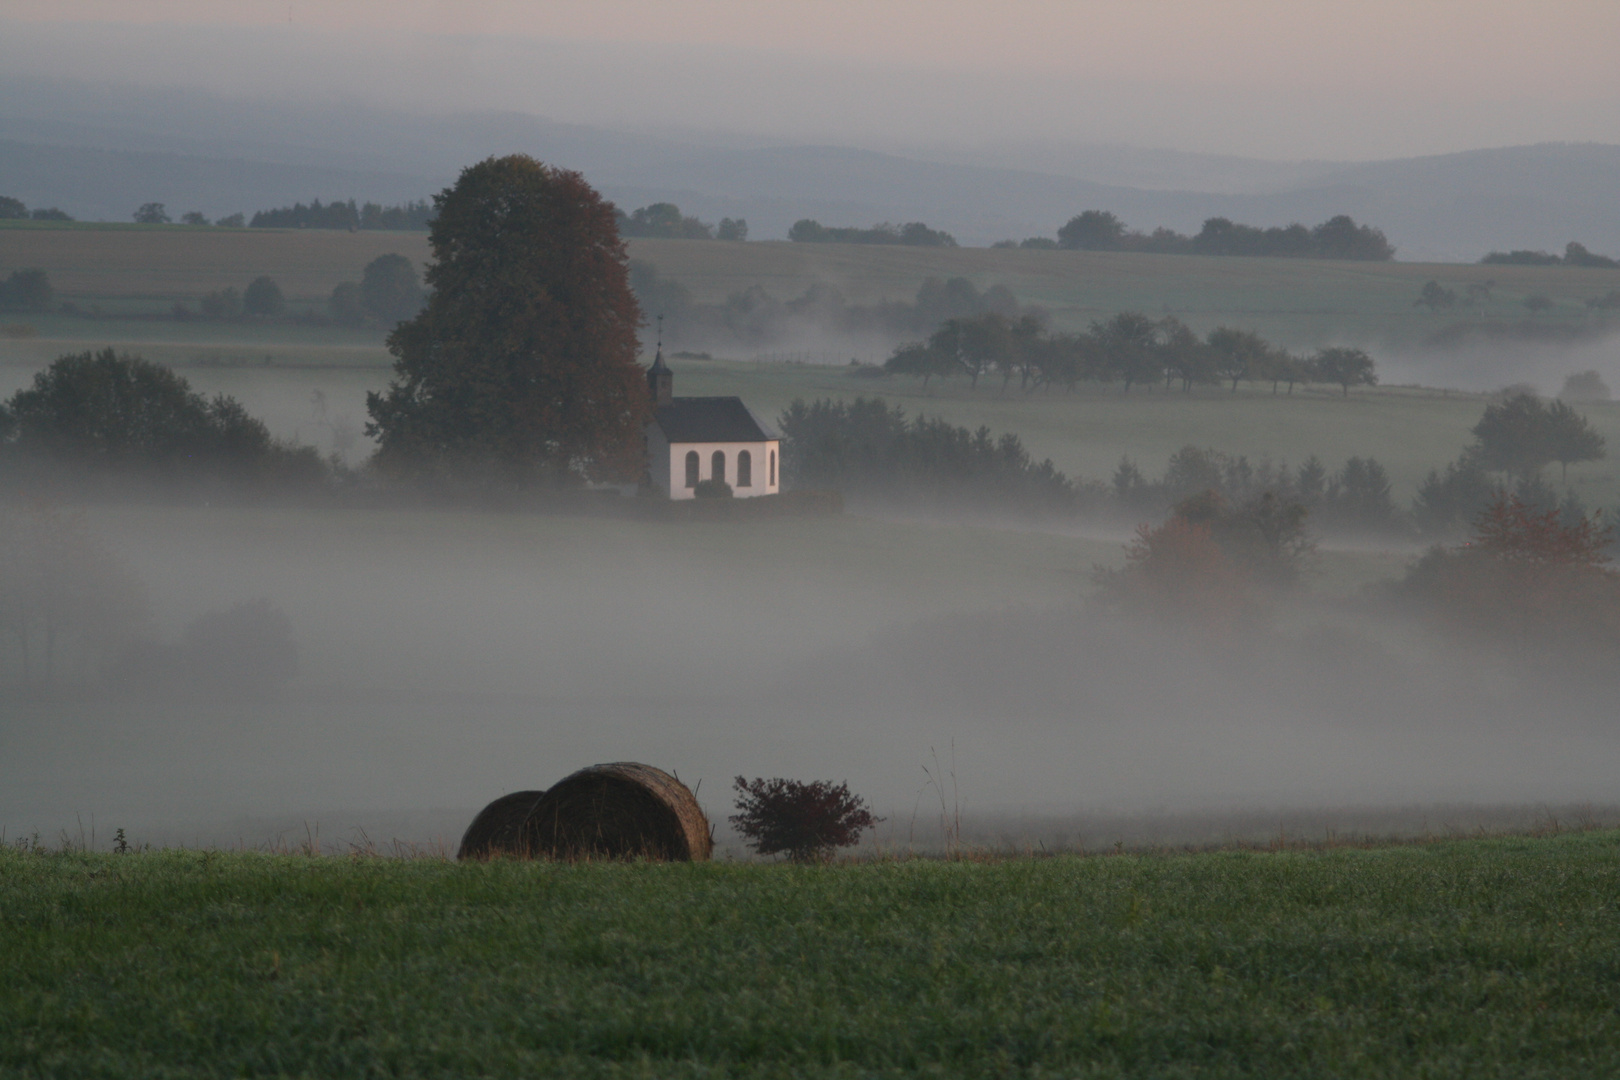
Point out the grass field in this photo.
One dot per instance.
(1297, 302)
(1483, 958)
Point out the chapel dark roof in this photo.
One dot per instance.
(709, 419)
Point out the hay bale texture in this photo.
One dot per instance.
(498, 828)
(622, 810)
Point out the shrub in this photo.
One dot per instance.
(222, 304)
(1527, 575)
(27, 290)
(1584, 386)
(806, 822)
(345, 304)
(263, 297)
(712, 489)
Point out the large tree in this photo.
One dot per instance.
(524, 359)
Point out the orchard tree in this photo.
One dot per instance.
(1094, 230)
(1524, 434)
(263, 297)
(390, 291)
(524, 359)
(1237, 354)
(1345, 368)
(1571, 438)
(1129, 343)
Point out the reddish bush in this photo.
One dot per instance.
(807, 822)
(1183, 570)
(1524, 575)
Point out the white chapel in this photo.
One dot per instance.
(691, 439)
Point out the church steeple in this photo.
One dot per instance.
(660, 380)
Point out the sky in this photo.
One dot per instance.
(1284, 80)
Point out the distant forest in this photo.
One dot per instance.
(407, 217)
(911, 234)
(665, 221)
(1574, 255)
(1337, 238)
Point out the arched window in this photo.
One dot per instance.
(717, 471)
(773, 468)
(691, 468)
(745, 469)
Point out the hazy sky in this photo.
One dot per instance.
(1291, 79)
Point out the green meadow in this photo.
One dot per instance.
(1478, 958)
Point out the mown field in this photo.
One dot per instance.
(1482, 958)
(1298, 302)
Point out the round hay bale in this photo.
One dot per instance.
(498, 828)
(621, 810)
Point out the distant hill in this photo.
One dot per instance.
(98, 152)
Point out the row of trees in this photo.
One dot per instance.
(665, 221)
(261, 299)
(1574, 255)
(1130, 348)
(911, 234)
(1437, 297)
(405, 217)
(15, 210)
(1337, 238)
(156, 213)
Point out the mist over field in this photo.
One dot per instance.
(448, 657)
(938, 655)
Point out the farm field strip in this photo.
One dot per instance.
(1297, 301)
(1484, 958)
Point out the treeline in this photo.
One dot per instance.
(666, 222)
(406, 217)
(867, 448)
(1337, 238)
(911, 234)
(754, 318)
(111, 416)
(1574, 255)
(15, 210)
(1130, 348)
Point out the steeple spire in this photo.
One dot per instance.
(660, 380)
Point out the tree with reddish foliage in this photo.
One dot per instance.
(807, 822)
(1525, 575)
(1514, 532)
(523, 363)
(1208, 562)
